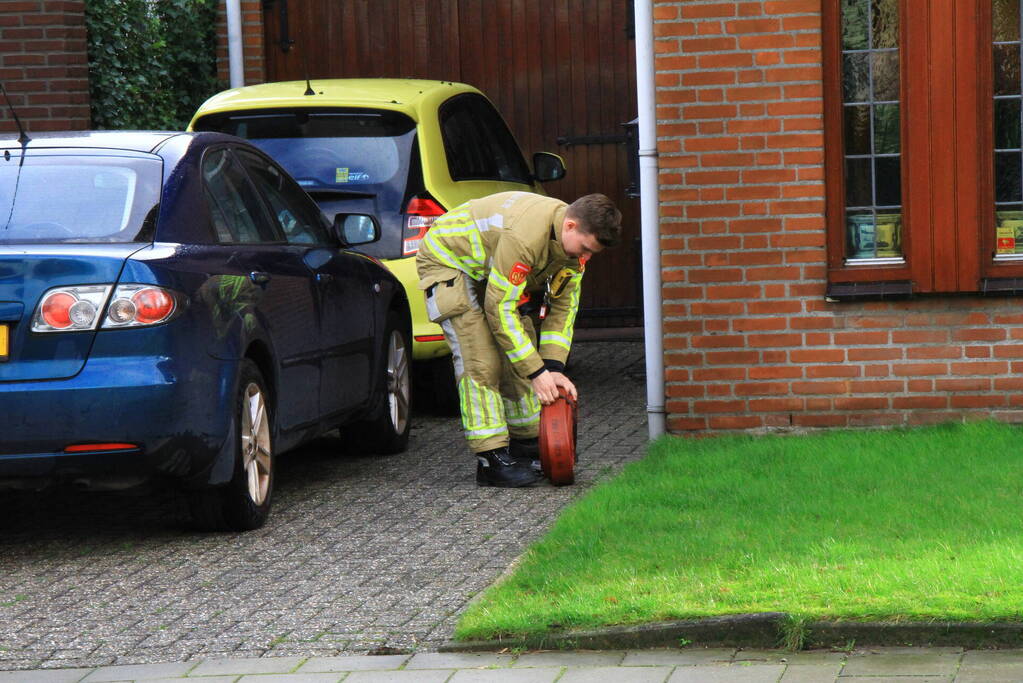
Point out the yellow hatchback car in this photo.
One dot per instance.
(403, 150)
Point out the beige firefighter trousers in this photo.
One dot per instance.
(496, 404)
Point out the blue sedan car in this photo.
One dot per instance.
(173, 307)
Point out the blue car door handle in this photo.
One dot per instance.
(259, 277)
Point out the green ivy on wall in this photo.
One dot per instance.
(151, 62)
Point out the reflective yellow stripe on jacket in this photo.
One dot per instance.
(508, 316)
(458, 225)
(559, 325)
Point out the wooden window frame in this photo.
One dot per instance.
(947, 135)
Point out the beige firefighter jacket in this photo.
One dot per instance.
(512, 241)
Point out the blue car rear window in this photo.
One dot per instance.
(69, 198)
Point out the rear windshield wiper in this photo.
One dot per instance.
(339, 194)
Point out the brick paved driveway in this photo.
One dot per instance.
(360, 554)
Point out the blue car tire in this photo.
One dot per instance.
(386, 430)
(244, 503)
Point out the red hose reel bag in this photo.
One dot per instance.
(558, 424)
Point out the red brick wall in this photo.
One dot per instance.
(252, 42)
(44, 64)
(750, 342)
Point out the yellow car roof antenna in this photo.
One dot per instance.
(305, 66)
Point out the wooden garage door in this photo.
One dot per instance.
(560, 71)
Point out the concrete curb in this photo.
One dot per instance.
(764, 630)
(965, 634)
(748, 630)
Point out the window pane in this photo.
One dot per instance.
(855, 77)
(1005, 58)
(237, 202)
(1005, 19)
(1007, 177)
(886, 76)
(1007, 124)
(854, 25)
(1006, 63)
(872, 128)
(511, 167)
(874, 236)
(1009, 229)
(859, 230)
(888, 233)
(465, 143)
(888, 180)
(886, 129)
(885, 23)
(857, 129)
(298, 221)
(858, 182)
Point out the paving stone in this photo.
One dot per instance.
(972, 658)
(617, 674)
(763, 656)
(991, 667)
(546, 659)
(458, 660)
(246, 665)
(729, 673)
(907, 650)
(354, 663)
(420, 676)
(895, 679)
(902, 662)
(44, 676)
(687, 657)
(139, 672)
(203, 679)
(812, 673)
(814, 658)
(505, 676)
(292, 678)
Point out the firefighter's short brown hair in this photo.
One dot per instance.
(598, 216)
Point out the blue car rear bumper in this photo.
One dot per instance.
(178, 415)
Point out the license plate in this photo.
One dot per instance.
(4, 344)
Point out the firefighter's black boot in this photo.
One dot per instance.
(526, 452)
(496, 468)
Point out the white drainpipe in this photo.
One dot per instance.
(235, 57)
(650, 226)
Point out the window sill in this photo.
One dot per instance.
(839, 292)
(1001, 286)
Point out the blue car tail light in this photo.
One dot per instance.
(78, 308)
(70, 309)
(138, 305)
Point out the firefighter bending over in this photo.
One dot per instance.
(493, 270)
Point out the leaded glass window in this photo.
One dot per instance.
(1005, 24)
(871, 130)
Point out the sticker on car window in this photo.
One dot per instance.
(346, 175)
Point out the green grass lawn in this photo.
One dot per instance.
(922, 524)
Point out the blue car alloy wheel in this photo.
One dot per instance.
(244, 503)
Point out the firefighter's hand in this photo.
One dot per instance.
(565, 383)
(545, 387)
